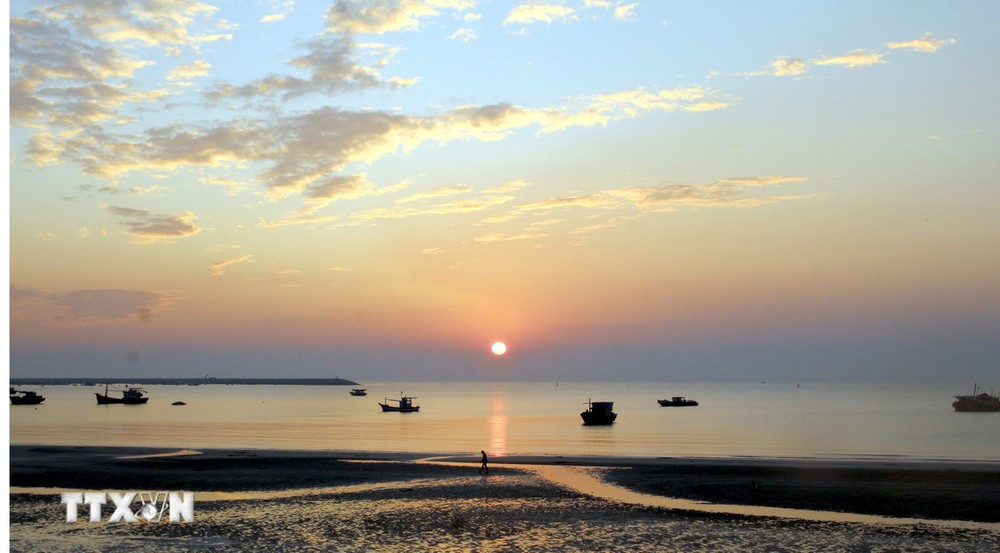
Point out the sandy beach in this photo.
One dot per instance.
(340, 501)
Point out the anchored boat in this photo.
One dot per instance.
(25, 397)
(130, 396)
(977, 402)
(599, 412)
(677, 401)
(359, 392)
(402, 405)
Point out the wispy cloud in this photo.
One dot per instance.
(855, 58)
(305, 153)
(625, 12)
(163, 23)
(199, 68)
(447, 208)
(301, 218)
(793, 66)
(147, 227)
(34, 307)
(219, 267)
(438, 192)
(379, 17)
(465, 35)
(784, 67)
(274, 17)
(627, 203)
(539, 12)
(508, 187)
(926, 43)
(333, 63)
(233, 186)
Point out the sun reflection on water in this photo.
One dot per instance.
(498, 423)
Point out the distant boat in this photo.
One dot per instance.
(977, 402)
(178, 403)
(359, 392)
(130, 396)
(403, 405)
(677, 401)
(599, 412)
(25, 397)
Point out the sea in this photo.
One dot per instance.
(907, 421)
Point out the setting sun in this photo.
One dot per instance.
(498, 348)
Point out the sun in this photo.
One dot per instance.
(498, 348)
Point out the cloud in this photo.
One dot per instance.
(34, 307)
(108, 305)
(273, 18)
(438, 192)
(508, 187)
(447, 208)
(233, 186)
(465, 35)
(721, 193)
(761, 181)
(539, 12)
(790, 66)
(855, 58)
(786, 66)
(183, 72)
(219, 267)
(305, 153)
(337, 187)
(161, 23)
(926, 43)
(333, 64)
(149, 227)
(500, 237)
(727, 192)
(298, 218)
(625, 12)
(57, 78)
(385, 16)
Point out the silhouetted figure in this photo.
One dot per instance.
(484, 467)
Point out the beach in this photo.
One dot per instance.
(343, 501)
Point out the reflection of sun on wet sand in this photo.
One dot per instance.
(252, 500)
(165, 454)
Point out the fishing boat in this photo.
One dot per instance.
(402, 405)
(599, 412)
(677, 401)
(977, 402)
(130, 396)
(25, 397)
(359, 392)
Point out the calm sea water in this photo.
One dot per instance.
(762, 420)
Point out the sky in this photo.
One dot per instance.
(380, 189)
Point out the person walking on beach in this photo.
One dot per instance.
(484, 467)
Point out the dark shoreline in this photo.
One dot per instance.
(142, 381)
(951, 490)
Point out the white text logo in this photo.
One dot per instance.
(132, 506)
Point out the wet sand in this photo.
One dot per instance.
(374, 502)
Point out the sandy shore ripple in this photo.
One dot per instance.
(381, 502)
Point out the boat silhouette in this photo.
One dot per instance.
(402, 405)
(130, 396)
(25, 397)
(598, 413)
